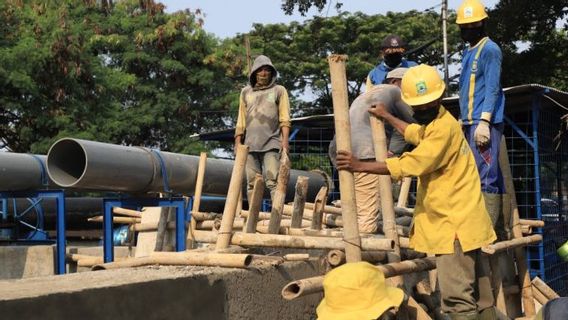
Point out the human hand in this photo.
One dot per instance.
(379, 110)
(482, 134)
(346, 161)
(285, 145)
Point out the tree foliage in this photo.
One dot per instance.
(129, 74)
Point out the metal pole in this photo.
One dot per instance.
(445, 42)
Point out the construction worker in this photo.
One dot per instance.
(554, 309)
(367, 184)
(264, 122)
(357, 291)
(392, 51)
(450, 219)
(482, 103)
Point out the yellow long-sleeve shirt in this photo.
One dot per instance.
(449, 203)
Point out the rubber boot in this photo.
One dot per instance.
(488, 314)
(464, 316)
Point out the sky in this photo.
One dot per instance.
(226, 18)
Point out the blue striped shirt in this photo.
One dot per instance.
(484, 98)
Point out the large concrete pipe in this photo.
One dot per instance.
(90, 165)
(22, 171)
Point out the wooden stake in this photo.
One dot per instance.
(343, 136)
(539, 296)
(196, 197)
(524, 279)
(232, 197)
(255, 203)
(307, 286)
(387, 205)
(317, 213)
(404, 191)
(297, 242)
(299, 201)
(544, 288)
(280, 193)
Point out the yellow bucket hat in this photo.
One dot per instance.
(357, 291)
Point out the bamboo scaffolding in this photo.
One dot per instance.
(301, 192)
(539, 296)
(532, 223)
(204, 216)
(404, 190)
(511, 244)
(524, 279)
(254, 204)
(337, 257)
(297, 242)
(299, 288)
(352, 241)
(122, 220)
(526, 229)
(280, 193)
(317, 212)
(127, 212)
(232, 198)
(544, 288)
(182, 258)
(197, 199)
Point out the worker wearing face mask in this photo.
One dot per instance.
(392, 51)
(482, 103)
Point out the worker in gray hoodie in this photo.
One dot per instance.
(263, 123)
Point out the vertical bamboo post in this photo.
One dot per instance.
(404, 190)
(255, 202)
(197, 196)
(524, 279)
(235, 186)
(247, 48)
(319, 204)
(343, 134)
(280, 193)
(299, 201)
(387, 205)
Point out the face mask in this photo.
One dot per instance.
(472, 35)
(424, 117)
(393, 60)
(262, 81)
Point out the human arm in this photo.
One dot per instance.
(380, 111)
(346, 161)
(284, 119)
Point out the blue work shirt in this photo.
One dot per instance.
(481, 96)
(379, 73)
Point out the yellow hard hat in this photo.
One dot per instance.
(356, 291)
(471, 11)
(421, 84)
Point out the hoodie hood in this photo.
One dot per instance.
(259, 62)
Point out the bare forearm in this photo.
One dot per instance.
(373, 167)
(285, 131)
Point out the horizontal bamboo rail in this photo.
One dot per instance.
(544, 288)
(532, 223)
(182, 258)
(337, 257)
(122, 220)
(127, 212)
(510, 244)
(302, 242)
(299, 288)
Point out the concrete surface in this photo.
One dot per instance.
(161, 293)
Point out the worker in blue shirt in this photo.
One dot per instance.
(393, 49)
(481, 104)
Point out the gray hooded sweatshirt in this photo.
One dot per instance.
(262, 111)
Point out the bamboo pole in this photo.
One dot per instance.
(91, 261)
(317, 213)
(127, 212)
(196, 198)
(280, 193)
(297, 242)
(154, 226)
(337, 257)
(313, 233)
(400, 211)
(204, 216)
(539, 296)
(544, 288)
(343, 136)
(526, 229)
(307, 286)
(531, 223)
(510, 244)
(261, 215)
(229, 260)
(123, 220)
(385, 190)
(232, 197)
(299, 201)
(525, 283)
(404, 190)
(297, 257)
(326, 209)
(255, 203)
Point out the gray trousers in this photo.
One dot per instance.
(265, 163)
(465, 281)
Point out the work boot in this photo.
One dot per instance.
(464, 316)
(488, 314)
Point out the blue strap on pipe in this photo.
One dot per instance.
(163, 170)
(43, 176)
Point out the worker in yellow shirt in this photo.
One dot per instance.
(450, 218)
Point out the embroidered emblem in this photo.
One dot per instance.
(467, 12)
(474, 66)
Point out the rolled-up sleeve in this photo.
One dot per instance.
(414, 133)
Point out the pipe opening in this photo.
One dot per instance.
(291, 291)
(66, 162)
